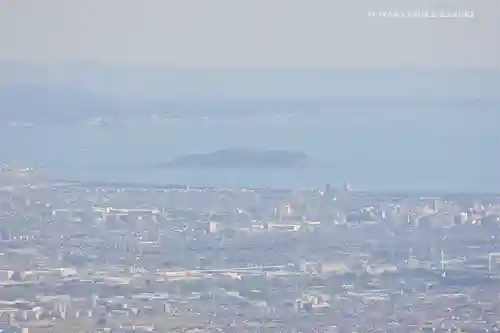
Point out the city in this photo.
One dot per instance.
(81, 257)
(264, 166)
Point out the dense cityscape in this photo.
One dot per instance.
(272, 166)
(81, 257)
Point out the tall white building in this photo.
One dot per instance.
(212, 227)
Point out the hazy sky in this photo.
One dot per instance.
(250, 33)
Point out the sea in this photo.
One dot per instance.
(412, 149)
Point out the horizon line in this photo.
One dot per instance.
(171, 67)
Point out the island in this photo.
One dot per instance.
(242, 158)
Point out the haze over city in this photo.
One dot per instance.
(249, 166)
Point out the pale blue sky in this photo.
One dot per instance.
(251, 33)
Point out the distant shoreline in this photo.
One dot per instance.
(241, 158)
(390, 193)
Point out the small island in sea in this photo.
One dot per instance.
(242, 158)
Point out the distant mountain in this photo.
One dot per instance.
(30, 93)
(34, 103)
(157, 83)
(242, 158)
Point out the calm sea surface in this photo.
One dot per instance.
(405, 150)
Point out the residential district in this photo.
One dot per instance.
(81, 257)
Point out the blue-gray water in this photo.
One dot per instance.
(398, 150)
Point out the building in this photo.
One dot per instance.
(6, 275)
(6, 317)
(5, 234)
(212, 227)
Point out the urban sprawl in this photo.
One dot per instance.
(81, 257)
